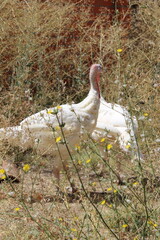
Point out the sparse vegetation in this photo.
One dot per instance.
(39, 70)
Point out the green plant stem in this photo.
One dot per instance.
(99, 213)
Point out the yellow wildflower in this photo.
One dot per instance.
(94, 184)
(135, 183)
(73, 229)
(2, 171)
(77, 147)
(152, 223)
(50, 111)
(155, 225)
(110, 205)
(59, 107)
(58, 139)
(3, 177)
(119, 50)
(57, 128)
(79, 162)
(26, 167)
(109, 146)
(102, 140)
(128, 146)
(60, 219)
(88, 160)
(115, 191)
(136, 238)
(125, 225)
(54, 111)
(145, 114)
(17, 209)
(109, 189)
(103, 202)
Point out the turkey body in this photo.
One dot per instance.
(115, 121)
(68, 123)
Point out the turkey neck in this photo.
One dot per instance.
(91, 103)
(94, 83)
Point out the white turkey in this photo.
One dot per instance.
(43, 130)
(115, 121)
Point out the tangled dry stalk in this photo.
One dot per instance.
(37, 72)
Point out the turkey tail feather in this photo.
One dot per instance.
(11, 134)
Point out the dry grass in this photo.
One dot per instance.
(37, 72)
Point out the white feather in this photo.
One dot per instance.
(115, 121)
(37, 131)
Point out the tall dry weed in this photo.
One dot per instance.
(46, 50)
